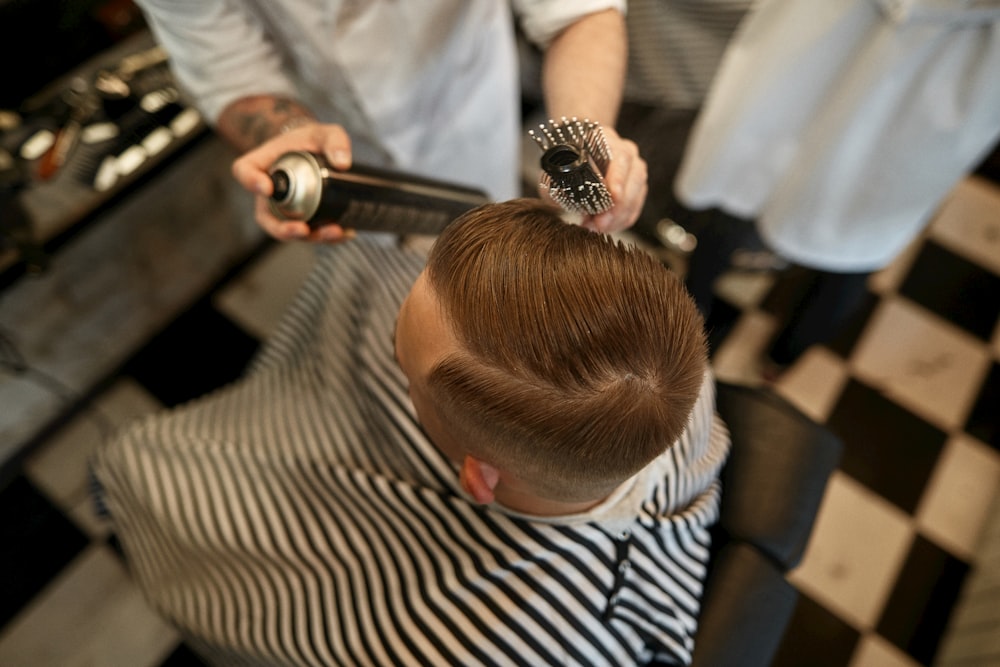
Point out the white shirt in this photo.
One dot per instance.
(429, 86)
(841, 125)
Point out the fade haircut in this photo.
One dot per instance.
(581, 357)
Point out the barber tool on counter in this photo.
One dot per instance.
(141, 114)
(307, 188)
(574, 162)
(97, 115)
(119, 88)
(16, 225)
(81, 105)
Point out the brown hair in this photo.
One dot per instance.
(582, 357)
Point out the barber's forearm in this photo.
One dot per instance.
(584, 69)
(250, 121)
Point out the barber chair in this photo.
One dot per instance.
(773, 483)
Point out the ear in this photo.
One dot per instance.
(479, 479)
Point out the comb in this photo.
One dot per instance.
(574, 162)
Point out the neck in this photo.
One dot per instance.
(531, 504)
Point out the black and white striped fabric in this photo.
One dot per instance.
(301, 517)
(675, 47)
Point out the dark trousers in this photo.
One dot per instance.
(822, 304)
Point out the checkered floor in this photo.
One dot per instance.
(914, 390)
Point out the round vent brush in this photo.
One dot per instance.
(574, 161)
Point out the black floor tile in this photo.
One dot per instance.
(990, 166)
(116, 547)
(842, 342)
(955, 288)
(887, 448)
(200, 351)
(815, 638)
(984, 420)
(36, 542)
(789, 289)
(720, 323)
(183, 656)
(917, 613)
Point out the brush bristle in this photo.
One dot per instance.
(573, 165)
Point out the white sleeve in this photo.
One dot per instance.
(217, 52)
(542, 20)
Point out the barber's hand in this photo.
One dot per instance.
(251, 171)
(626, 180)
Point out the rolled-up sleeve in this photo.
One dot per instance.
(217, 53)
(542, 20)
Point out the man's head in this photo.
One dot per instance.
(560, 359)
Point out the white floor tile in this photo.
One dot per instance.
(959, 495)
(91, 615)
(874, 651)
(858, 545)
(256, 299)
(745, 289)
(25, 403)
(814, 383)
(968, 223)
(738, 358)
(921, 362)
(59, 467)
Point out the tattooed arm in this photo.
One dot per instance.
(250, 121)
(262, 128)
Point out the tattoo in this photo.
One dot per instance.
(255, 127)
(250, 121)
(285, 106)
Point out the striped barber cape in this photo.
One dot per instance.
(301, 517)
